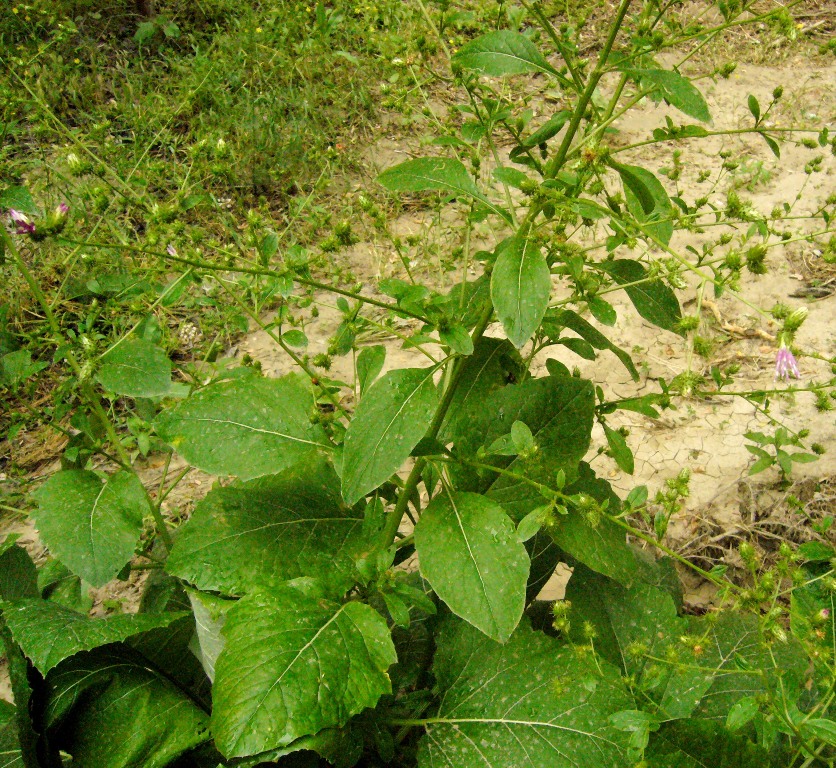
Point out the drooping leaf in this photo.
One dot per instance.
(503, 52)
(677, 90)
(566, 318)
(435, 173)
(390, 420)
(520, 288)
(293, 665)
(209, 618)
(529, 703)
(647, 200)
(470, 554)
(341, 747)
(106, 708)
(49, 633)
(92, 526)
(135, 368)
(244, 428)
(653, 300)
(269, 530)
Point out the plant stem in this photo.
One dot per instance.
(395, 515)
(556, 163)
(209, 266)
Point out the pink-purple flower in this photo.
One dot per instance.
(22, 222)
(786, 365)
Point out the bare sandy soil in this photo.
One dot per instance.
(707, 436)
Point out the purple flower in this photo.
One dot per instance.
(63, 209)
(786, 365)
(22, 222)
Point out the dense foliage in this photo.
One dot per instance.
(286, 621)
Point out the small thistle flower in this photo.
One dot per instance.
(786, 365)
(22, 223)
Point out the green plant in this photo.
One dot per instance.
(277, 625)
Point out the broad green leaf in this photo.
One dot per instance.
(117, 712)
(135, 368)
(11, 755)
(439, 173)
(270, 530)
(503, 52)
(520, 288)
(245, 428)
(653, 300)
(530, 703)
(293, 665)
(369, 365)
(494, 364)
(701, 744)
(49, 633)
(566, 318)
(647, 200)
(92, 526)
(642, 617)
(677, 90)
(470, 554)
(390, 420)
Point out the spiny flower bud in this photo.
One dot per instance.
(795, 319)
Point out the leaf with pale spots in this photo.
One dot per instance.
(247, 428)
(269, 530)
(531, 703)
(472, 557)
(92, 526)
(293, 665)
(49, 633)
